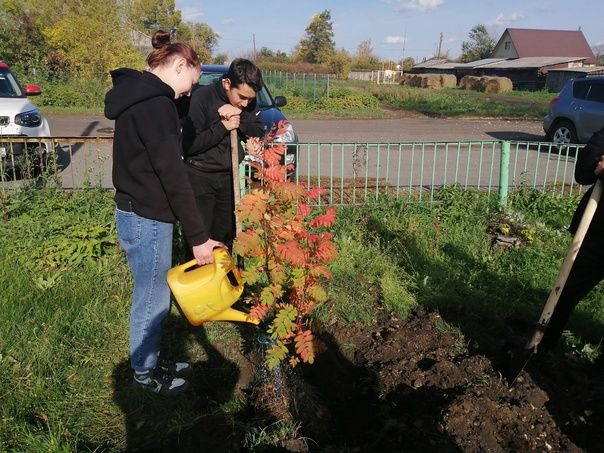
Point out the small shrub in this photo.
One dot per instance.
(296, 103)
(287, 247)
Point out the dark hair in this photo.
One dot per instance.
(244, 71)
(165, 51)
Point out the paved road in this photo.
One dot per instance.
(405, 129)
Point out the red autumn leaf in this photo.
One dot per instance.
(320, 271)
(252, 206)
(247, 242)
(288, 190)
(303, 210)
(292, 252)
(326, 220)
(314, 192)
(327, 251)
(258, 311)
(274, 173)
(305, 346)
(273, 153)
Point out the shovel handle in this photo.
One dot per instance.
(569, 260)
(236, 179)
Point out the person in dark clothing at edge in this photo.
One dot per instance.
(215, 110)
(588, 269)
(152, 191)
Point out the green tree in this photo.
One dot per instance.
(339, 63)
(148, 16)
(82, 35)
(88, 37)
(318, 46)
(407, 63)
(481, 45)
(21, 39)
(201, 37)
(267, 55)
(221, 58)
(364, 58)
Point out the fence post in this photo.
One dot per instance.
(504, 165)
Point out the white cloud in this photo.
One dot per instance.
(228, 21)
(422, 6)
(394, 40)
(191, 14)
(502, 19)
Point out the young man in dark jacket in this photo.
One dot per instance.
(215, 110)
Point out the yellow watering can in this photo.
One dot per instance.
(206, 293)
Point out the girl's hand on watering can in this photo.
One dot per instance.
(204, 253)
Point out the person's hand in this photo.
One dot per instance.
(203, 253)
(232, 123)
(230, 116)
(253, 146)
(227, 111)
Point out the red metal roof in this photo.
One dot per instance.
(551, 43)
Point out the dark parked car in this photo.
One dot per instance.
(269, 108)
(577, 112)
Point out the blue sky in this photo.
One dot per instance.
(396, 28)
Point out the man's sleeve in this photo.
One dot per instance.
(201, 130)
(251, 123)
(588, 157)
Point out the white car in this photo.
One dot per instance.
(19, 117)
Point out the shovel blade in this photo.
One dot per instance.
(518, 360)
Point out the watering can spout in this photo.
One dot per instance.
(230, 314)
(206, 293)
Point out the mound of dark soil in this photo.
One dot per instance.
(422, 391)
(408, 385)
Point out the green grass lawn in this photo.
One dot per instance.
(66, 293)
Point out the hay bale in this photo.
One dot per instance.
(448, 81)
(406, 79)
(431, 81)
(416, 80)
(470, 83)
(496, 84)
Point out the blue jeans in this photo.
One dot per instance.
(148, 246)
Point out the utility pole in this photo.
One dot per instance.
(404, 43)
(440, 43)
(254, 40)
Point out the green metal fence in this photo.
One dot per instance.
(350, 173)
(309, 86)
(354, 173)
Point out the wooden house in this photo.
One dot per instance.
(527, 42)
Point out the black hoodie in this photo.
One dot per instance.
(206, 142)
(147, 166)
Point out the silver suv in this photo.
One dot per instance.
(577, 112)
